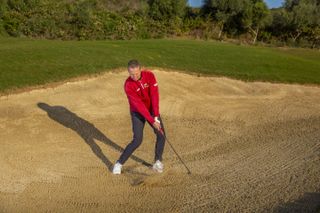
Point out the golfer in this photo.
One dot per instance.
(141, 88)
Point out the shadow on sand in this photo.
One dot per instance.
(309, 202)
(86, 130)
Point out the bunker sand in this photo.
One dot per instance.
(250, 146)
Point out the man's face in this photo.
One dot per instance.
(134, 73)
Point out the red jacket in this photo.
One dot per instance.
(143, 95)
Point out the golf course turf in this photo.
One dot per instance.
(28, 62)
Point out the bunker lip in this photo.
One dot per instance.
(84, 77)
(249, 145)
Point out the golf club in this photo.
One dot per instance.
(162, 132)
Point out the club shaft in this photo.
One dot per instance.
(189, 172)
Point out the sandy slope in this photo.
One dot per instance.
(250, 146)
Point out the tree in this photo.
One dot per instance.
(167, 9)
(303, 16)
(256, 17)
(280, 22)
(224, 11)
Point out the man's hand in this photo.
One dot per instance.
(157, 119)
(157, 125)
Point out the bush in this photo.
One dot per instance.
(2, 29)
(265, 36)
(13, 22)
(135, 19)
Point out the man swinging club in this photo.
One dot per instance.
(142, 91)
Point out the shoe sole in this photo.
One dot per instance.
(157, 170)
(116, 173)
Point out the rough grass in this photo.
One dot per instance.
(27, 62)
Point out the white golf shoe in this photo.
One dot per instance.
(158, 166)
(117, 168)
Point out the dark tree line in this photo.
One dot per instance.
(297, 22)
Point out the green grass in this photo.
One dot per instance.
(27, 62)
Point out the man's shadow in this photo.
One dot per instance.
(86, 130)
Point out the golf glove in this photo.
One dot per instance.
(157, 119)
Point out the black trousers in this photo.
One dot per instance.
(138, 122)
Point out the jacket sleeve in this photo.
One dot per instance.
(154, 94)
(135, 101)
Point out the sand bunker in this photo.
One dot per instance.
(250, 146)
